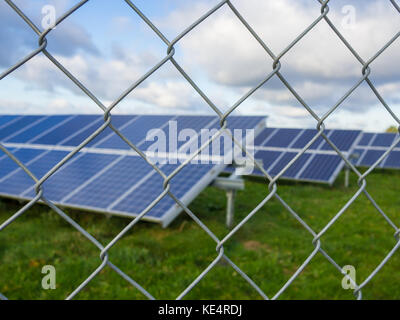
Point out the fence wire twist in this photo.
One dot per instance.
(272, 181)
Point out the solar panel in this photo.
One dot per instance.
(283, 139)
(135, 132)
(120, 122)
(112, 183)
(18, 180)
(276, 147)
(14, 127)
(366, 139)
(372, 146)
(263, 136)
(7, 165)
(383, 140)
(5, 119)
(393, 160)
(67, 129)
(38, 129)
(321, 167)
(294, 170)
(342, 139)
(82, 167)
(106, 176)
(305, 137)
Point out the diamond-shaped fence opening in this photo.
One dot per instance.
(222, 256)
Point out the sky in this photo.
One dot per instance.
(108, 47)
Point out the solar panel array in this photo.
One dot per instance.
(106, 176)
(276, 147)
(372, 146)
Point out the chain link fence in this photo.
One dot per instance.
(273, 187)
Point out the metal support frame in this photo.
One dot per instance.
(346, 176)
(352, 156)
(231, 185)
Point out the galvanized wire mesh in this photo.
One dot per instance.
(272, 181)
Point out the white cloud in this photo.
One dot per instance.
(52, 106)
(106, 79)
(168, 95)
(319, 67)
(225, 61)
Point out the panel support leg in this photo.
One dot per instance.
(230, 207)
(346, 176)
(230, 186)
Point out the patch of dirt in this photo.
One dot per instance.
(254, 245)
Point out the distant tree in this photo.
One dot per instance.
(392, 129)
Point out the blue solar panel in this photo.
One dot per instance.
(64, 131)
(282, 138)
(19, 181)
(118, 122)
(76, 172)
(393, 160)
(306, 137)
(372, 146)
(242, 122)
(223, 145)
(267, 158)
(295, 168)
(102, 181)
(321, 167)
(180, 184)
(194, 123)
(109, 186)
(6, 119)
(383, 140)
(278, 146)
(79, 136)
(342, 139)
(370, 157)
(40, 128)
(273, 165)
(283, 161)
(18, 125)
(366, 139)
(7, 165)
(238, 124)
(264, 135)
(356, 155)
(135, 132)
(3, 154)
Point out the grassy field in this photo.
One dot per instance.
(269, 248)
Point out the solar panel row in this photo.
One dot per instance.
(117, 183)
(101, 182)
(299, 138)
(308, 167)
(372, 146)
(73, 130)
(122, 183)
(276, 147)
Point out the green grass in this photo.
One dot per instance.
(269, 248)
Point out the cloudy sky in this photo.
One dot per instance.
(108, 47)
